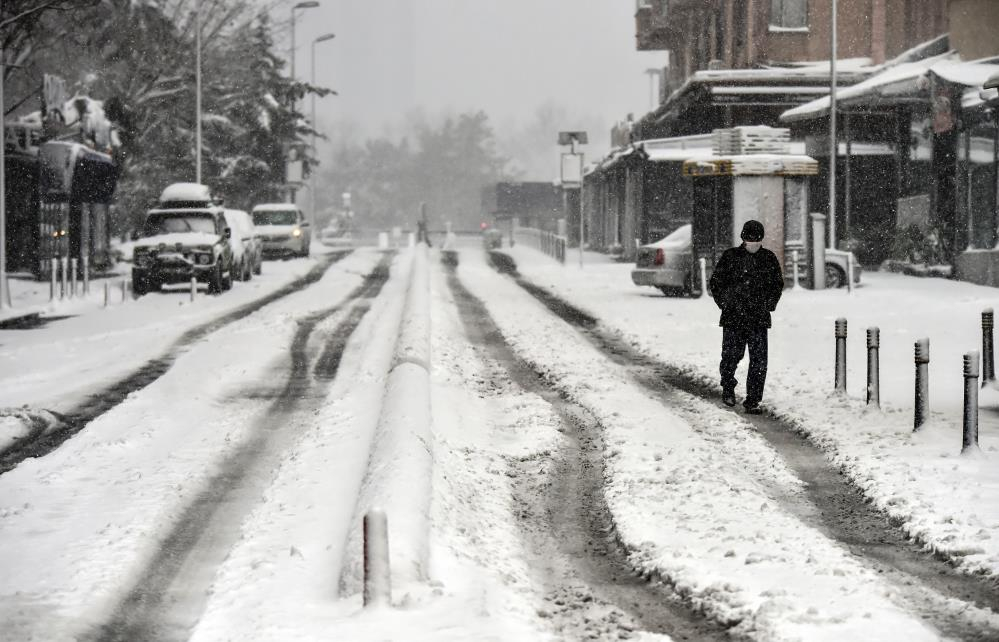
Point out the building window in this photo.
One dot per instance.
(789, 14)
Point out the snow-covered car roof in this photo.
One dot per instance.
(678, 240)
(274, 207)
(187, 192)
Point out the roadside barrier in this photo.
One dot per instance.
(550, 243)
(841, 355)
(988, 353)
(969, 440)
(377, 574)
(873, 367)
(921, 360)
(922, 400)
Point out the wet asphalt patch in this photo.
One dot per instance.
(832, 503)
(100, 402)
(592, 589)
(170, 595)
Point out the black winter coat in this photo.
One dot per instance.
(746, 287)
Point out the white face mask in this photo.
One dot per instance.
(753, 246)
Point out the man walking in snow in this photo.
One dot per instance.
(746, 285)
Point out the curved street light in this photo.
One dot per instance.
(312, 81)
(310, 4)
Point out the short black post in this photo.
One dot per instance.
(841, 355)
(873, 367)
(970, 439)
(922, 383)
(988, 352)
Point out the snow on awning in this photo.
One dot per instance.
(903, 83)
(894, 84)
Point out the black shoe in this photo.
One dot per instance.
(728, 398)
(753, 409)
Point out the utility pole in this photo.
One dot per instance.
(833, 143)
(312, 173)
(197, 91)
(3, 187)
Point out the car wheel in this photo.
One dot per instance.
(215, 281)
(140, 286)
(688, 286)
(835, 277)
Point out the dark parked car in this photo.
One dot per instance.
(186, 236)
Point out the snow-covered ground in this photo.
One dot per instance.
(920, 478)
(694, 503)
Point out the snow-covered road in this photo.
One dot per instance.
(561, 490)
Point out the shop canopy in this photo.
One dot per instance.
(901, 84)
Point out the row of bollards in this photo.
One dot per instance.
(69, 277)
(921, 356)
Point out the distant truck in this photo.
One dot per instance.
(185, 236)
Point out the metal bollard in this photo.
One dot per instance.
(970, 438)
(124, 289)
(873, 367)
(72, 277)
(107, 293)
(64, 269)
(377, 577)
(921, 411)
(988, 352)
(194, 288)
(841, 355)
(703, 263)
(794, 265)
(52, 279)
(86, 274)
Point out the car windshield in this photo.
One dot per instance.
(275, 217)
(171, 223)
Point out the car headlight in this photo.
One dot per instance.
(296, 232)
(204, 259)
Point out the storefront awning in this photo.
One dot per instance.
(903, 83)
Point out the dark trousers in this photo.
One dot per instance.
(734, 343)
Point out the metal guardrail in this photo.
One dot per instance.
(548, 242)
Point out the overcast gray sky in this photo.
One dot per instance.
(505, 57)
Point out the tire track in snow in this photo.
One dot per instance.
(172, 589)
(831, 503)
(100, 402)
(593, 589)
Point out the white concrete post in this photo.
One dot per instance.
(52, 279)
(86, 274)
(107, 293)
(377, 575)
(794, 266)
(73, 277)
(849, 273)
(703, 266)
(64, 269)
(124, 289)
(818, 251)
(194, 288)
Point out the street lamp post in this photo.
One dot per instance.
(197, 93)
(310, 4)
(833, 143)
(572, 174)
(301, 5)
(3, 193)
(312, 80)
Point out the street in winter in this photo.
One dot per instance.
(529, 321)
